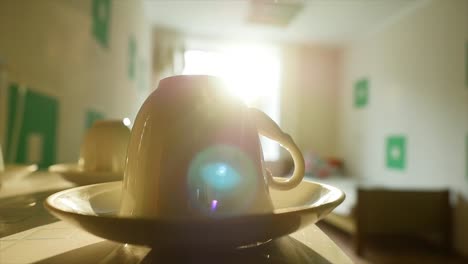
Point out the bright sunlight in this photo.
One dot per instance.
(250, 72)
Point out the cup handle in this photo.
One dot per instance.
(271, 130)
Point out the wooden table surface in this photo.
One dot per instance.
(29, 234)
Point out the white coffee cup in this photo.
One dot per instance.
(105, 146)
(195, 152)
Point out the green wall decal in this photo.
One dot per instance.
(101, 14)
(92, 116)
(466, 64)
(15, 100)
(361, 93)
(396, 152)
(132, 57)
(142, 74)
(32, 127)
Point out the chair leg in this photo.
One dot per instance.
(359, 244)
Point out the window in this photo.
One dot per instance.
(252, 73)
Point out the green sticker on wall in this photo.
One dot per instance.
(396, 152)
(361, 93)
(32, 127)
(101, 14)
(132, 58)
(142, 76)
(466, 64)
(93, 116)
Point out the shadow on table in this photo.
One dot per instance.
(23, 212)
(284, 250)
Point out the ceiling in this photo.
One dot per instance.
(320, 21)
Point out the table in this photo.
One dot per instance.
(29, 234)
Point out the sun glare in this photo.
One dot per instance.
(249, 72)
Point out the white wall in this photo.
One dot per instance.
(417, 71)
(48, 45)
(416, 67)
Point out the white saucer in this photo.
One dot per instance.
(74, 173)
(16, 172)
(94, 208)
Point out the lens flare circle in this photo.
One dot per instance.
(222, 181)
(220, 176)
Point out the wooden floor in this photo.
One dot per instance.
(401, 251)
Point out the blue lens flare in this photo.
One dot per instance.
(220, 176)
(222, 181)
